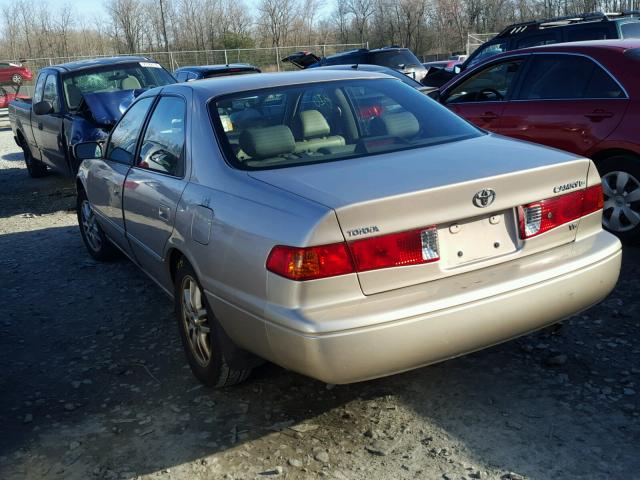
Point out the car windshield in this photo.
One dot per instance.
(330, 121)
(487, 51)
(113, 78)
(394, 58)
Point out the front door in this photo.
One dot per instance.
(567, 102)
(154, 185)
(482, 96)
(47, 129)
(106, 176)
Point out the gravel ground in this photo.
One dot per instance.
(94, 383)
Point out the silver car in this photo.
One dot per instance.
(340, 224)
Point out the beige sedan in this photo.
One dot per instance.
(341, 224)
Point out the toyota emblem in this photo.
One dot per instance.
(484, 197)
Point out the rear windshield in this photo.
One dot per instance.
(630, 30)
(330, 121)
(113, 78)
(394, 58)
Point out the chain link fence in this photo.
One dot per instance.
(267, 59)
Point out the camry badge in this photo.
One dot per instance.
(484, 197)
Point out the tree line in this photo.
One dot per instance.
(38, 30)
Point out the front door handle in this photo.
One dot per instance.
(488, 116)
(164, 212)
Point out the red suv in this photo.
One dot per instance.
(581, 97)
(14, 73)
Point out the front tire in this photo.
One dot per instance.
(621, 187)
(97, 243)
(205, 343)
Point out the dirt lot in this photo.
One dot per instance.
(94, 383)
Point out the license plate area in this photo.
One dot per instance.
(478, 239)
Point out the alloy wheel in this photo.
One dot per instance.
(195, 321)
(90, 226)
(621, 201)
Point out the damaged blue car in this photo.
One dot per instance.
(78, 102)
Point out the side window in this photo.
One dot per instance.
(162, 147)
(578, 34)
(536, 40)
(39, 90)
(630, 30)
(564, 77)
(493, 84)
(50, 92)
(122, 143)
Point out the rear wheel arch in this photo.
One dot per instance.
(174, 256)
(613, 152)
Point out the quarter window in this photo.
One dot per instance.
(162, 148)
(493, 84)
(122, 145)
(558, 77)
(630, 30)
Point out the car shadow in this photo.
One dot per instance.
(95, 381)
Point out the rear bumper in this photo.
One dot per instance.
(431, 323)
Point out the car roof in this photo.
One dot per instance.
(208, 88)
(220, 67)
(99, 62)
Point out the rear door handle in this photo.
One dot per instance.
(164, 212)
(597, 115)
(488, 116)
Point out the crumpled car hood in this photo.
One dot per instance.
(107, 107)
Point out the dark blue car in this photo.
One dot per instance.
(78, 102)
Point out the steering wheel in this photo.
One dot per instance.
(485, 91)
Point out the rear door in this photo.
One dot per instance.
(106, 176)
(482, 96)
(565, 101)
(154, 185)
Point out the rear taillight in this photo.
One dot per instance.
(394, 250)
(311, 262)
(539, 217)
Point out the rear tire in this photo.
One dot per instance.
(35, 168)
(16, 78)
(621, 187)
(97, 243)
(205, 343)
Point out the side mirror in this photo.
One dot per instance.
(43, 108)
(457, 69)
(87, 151)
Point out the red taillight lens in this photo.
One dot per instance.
(539, 217)
(396, 250)
(311, 262)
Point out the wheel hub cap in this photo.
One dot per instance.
(195, 321)
(90, 226)
(621, 201)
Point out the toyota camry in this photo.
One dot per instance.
(340, 224)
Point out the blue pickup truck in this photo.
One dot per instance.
(76, 102)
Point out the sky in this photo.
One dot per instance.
(86, 8)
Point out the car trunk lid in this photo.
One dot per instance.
(447, 186)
